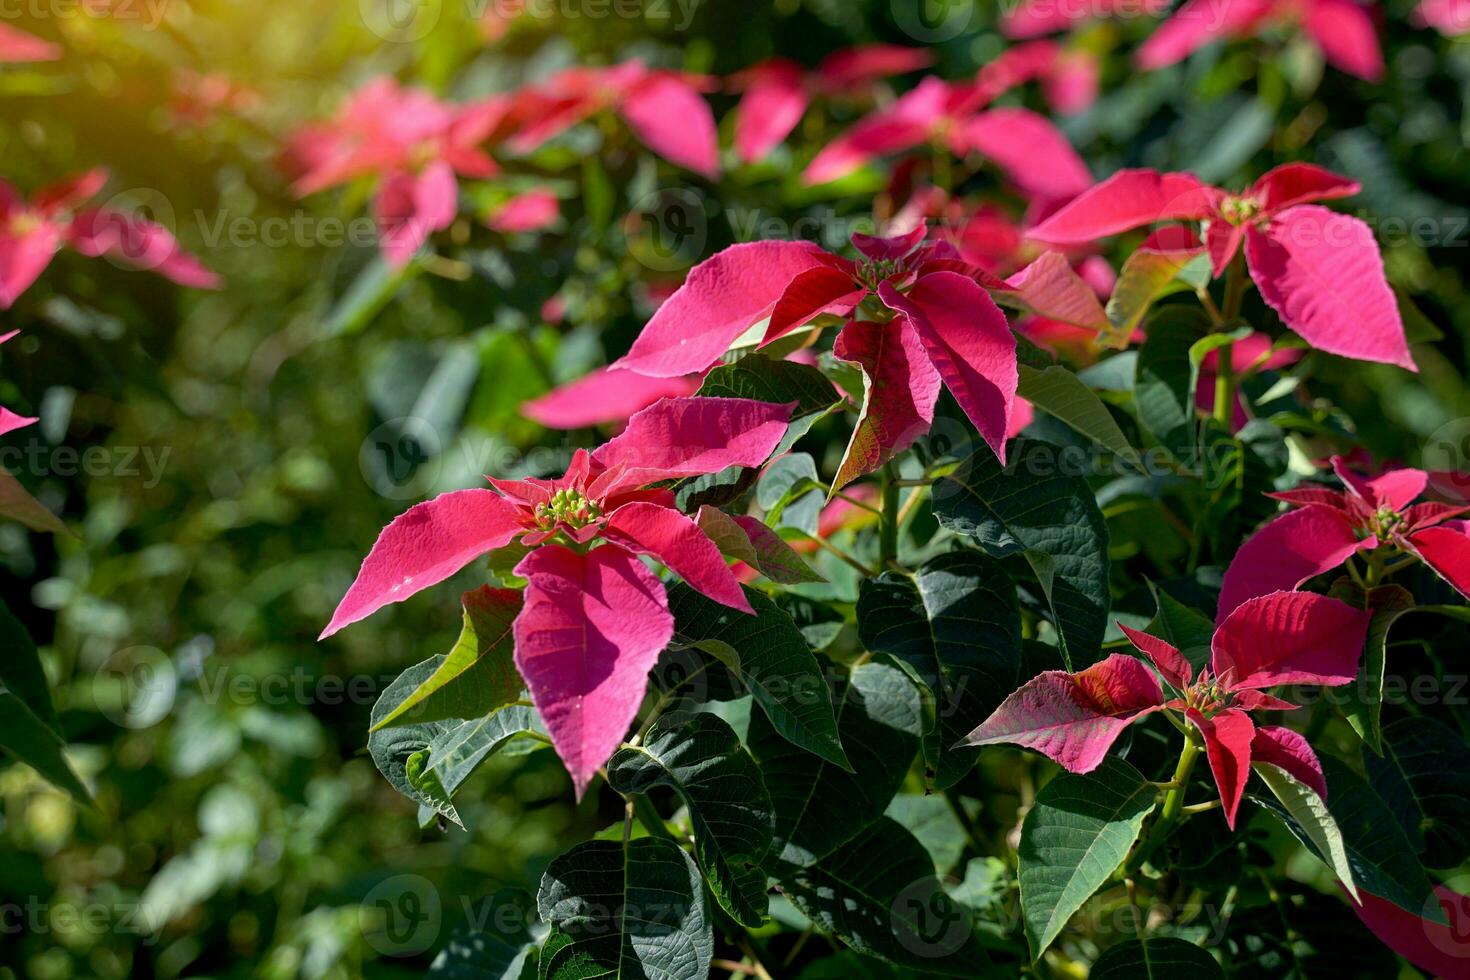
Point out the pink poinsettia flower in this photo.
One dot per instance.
(777, 92)
(11, 421)
(664, 109)
(1247, 357)
(1327, 527)
(1031, 151)
(603, 397)
(529, 211)
(413, 143)
(1068, 77)
(1032, 18)
(1343, 29)
(595, 618)
(1284, 638)
(31, 232)
(1320, 270)
(1450, 17)
(942, 327)
(18, 47)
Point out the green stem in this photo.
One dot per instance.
(1225, 386)
(1173, 805)
(888, 529)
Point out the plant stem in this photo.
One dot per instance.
(1173, 805)
(888, 530)
(1225, 385)
(849, 559)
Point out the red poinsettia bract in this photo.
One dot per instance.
(32, 231)
(1320, 270)
(413, 143)
(10, 421)
(1327, 527)
(1271, 640)
(1031, 151)
(942, 326)
(595, 618)
(776, 92)
(1343, 29)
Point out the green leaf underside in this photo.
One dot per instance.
(1072, 840)
(1381, 857)
(764, 379)
(700, 757)
(1363, 698)
(955, 629)
(479, 674)
(633, 910)
(820, 806)
(1030, 507)
(32, 741)
(777, 667)
(1061, 394)
(1313, 818)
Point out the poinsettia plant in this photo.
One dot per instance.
(768, 656)
(891, 510)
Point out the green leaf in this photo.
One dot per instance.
(1072, 840)
(701, 759)
(21, 670)
(820, 806)
(458, 751)
(763, 379)
(1155, 958)
(776, 666)
(1423, 778)
(374, 287)
(757, 545)
(1312, 817)
(1165, 379)
(1034, 508)
(18, 505)
(880, 896)
(402, 753)
(24, 735)
(1061, 394)
(932, 821)
(955, 628)
(633, 910)
(1380, 855)
(479, 674)
(790, 493)
(1145, 278)
(1362, 700)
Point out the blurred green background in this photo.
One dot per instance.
(245, 446)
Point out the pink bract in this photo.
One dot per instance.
(1320, 270)
(595, 618)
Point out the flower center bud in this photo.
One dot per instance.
(1385, 520)
(873, 272)
(1240, 210)
(569, 507)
